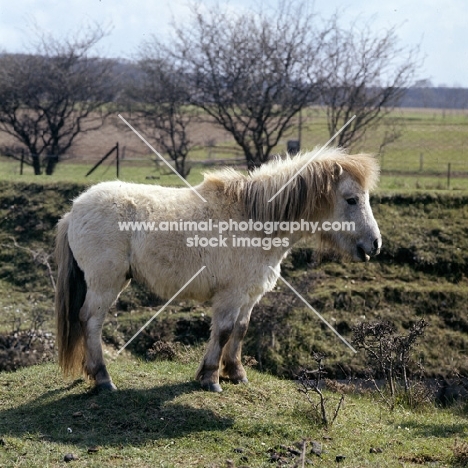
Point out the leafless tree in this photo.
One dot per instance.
(368, 73)
(161, 96)
(251, 72)
(52, 94)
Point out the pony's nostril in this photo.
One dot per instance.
(376, 244)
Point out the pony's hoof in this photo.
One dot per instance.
(244, 380)
(106, 387)
(212, 387)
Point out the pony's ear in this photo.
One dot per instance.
(338, 170)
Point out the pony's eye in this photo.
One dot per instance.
(351, 201)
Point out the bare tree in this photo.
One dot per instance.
(51, 95)
(251, 72)
(367, 75)
(388, 353)
(161, 96)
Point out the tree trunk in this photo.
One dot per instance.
(180, 167)
(252, 163)
(36, 164)
(52, 161)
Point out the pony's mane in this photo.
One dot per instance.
(312, 192)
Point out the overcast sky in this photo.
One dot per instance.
(439, 26)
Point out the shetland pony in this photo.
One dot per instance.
(97, 259)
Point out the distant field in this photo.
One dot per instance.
(429, 140)
(431, 137)
(135, 171)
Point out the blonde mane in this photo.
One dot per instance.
(312, 192)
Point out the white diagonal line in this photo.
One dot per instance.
(312, 158)
(161, 158)
(160, 310)
(317, 314)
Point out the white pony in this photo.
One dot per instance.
(97, 258)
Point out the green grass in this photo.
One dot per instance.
(410, 183)
(418, 159)
(160, 417)
(75, 172)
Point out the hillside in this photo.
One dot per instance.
(421, 273)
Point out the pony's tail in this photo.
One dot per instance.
(69, 298)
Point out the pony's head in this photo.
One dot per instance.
(332, 188)
(352, 228)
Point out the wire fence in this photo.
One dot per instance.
(432, 142)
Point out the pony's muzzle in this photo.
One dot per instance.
(365, 255)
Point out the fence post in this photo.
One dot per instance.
(299, 136)
(114, 148)
(117, 162)
(448, 175)
(22, 161)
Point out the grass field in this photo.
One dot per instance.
(430, 139)
(418, 160)
(160, 418)
(75, 172)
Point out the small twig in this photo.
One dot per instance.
(322, 405)
(389, 403)
(308, 384)
(390, 352)
(337, 409)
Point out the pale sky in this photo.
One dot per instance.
(440, 27)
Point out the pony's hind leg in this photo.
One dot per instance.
(231, 364)
(92, 316)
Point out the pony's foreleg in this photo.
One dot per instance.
(231, 365)
(223, 322)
